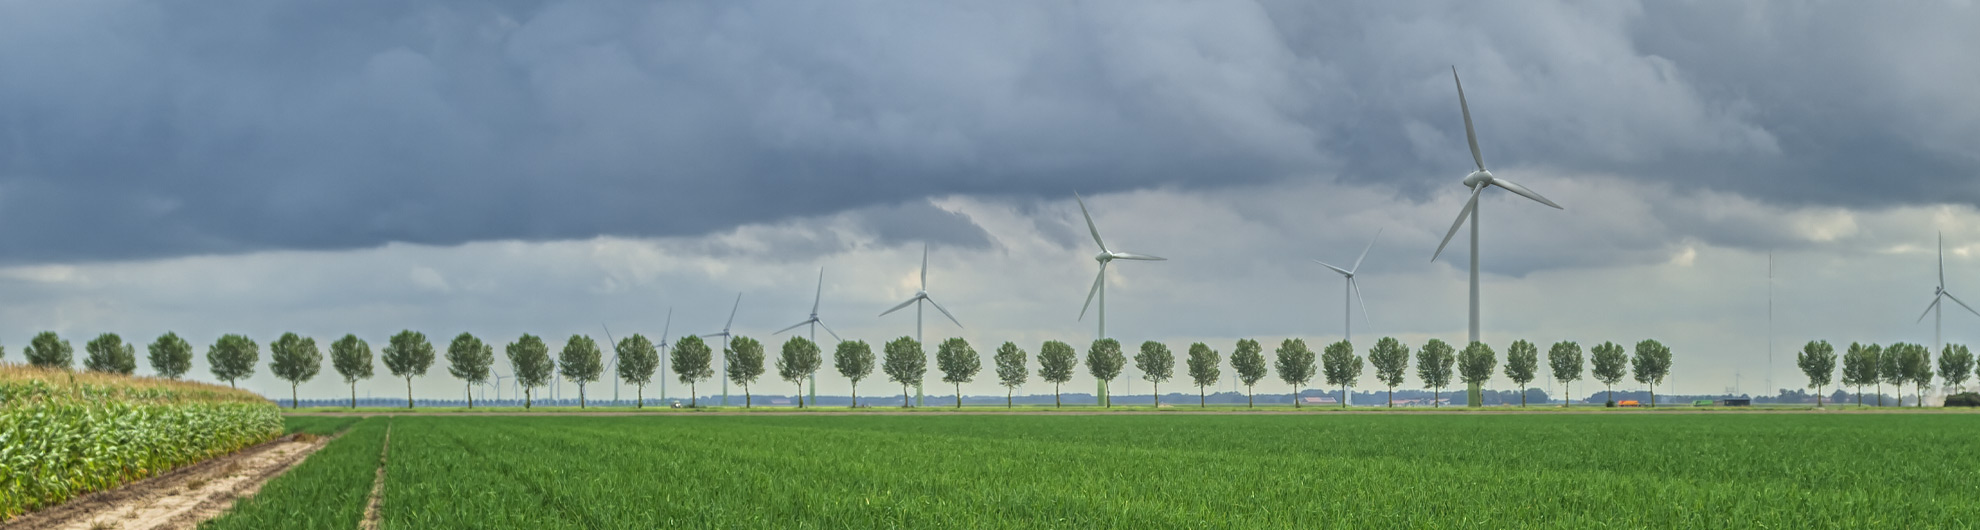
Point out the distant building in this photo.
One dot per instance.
(1312, 400)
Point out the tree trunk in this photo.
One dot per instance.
(1107, 396)
(1392, 397)
(580, 395)
(292, 395)
(1436, 396)
(800, 394)
(1921, 394)
(1344, 399)
(1250, 397)
(470, 394)
(748, 400)
(1007, 397)
(1158, 394)
(641, 394)
(904, 396)
(230, 383)
(1880, 393)
(958, 396)
(409, 401)
(1522, 395)
(1818, 397)
(855, 393)
(1056, 402)
(529, 397)
(1202, 402)
(354, 394)
(1859, 395)
(1612, 393)
(1295, 397)
(694, 400)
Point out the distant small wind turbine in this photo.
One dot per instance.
(1353, 288)
(815, 323)
(1934, 309)
(1100, 282)
(663, 353)
(724, 334)
(916, 300)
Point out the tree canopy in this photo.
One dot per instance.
(351, 357)
(796, 361)
(1955, 365)
(1205, 367)
(1475, 363)
(170, 356)
(468, 359)
(693, 363)
(1818, 361)
(294, 358)
(1295, 364)
(638, 360)
(232, 358)
(529, 361)
(905, 363)
(959, 364)
(408, 355)
(1057, 361)
(1391, 360)
(1011, 369)
(1522, 365)
(48, 350)
(581, 362)
(1104, 361)
(108, 353)
(1157, 364)
(854, 360)
(1433, 365)
(1609, 365)
(1341, 366)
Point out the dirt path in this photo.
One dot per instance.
(1173, 412)
(181, 498)
(377, 502)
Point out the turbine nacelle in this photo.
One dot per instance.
(1478, 178)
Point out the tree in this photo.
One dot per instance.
(1433, 366)
(638, 359)
(580, 362)
(232, 358)
(1890, 369)
(1860, 368)
(1564, 358)
(171, 356)
(1916, 367)
(468, 359)
(352, 359)
(1652, 362)
(1204, 370)
(1955, 365)
(905, 363)
(1248, 360)
(1522, 364)
(1295, 364)
(1104, 360)
(1342, 367)
(798, 360)
(1475, 365)
(1011, 370)
(1818, 361)
(958, 362)
(693, 362)
(1391, 360)
(48, 350)
(408, 355)
(295, 359)
(745, 360)
(854, 359)
(529, 360)
(108, 353)
(1609, 365)
(1056, 363)
(1156, 364)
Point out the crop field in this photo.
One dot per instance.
(1139, 471)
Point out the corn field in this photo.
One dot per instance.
(64, 434)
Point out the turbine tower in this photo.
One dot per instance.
(1934, 309)
(1100, 282)
(815, 323)
(612, 365)
(724, 334)
(1353, 288)
(919, 296)
(663, 353)
(1478, 180)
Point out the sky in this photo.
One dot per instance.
(557, 167)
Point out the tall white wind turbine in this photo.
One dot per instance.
(1478, 180)
(1938, 320)
(663, 353)
(724, 334)
(1349, 295)
(916, 300)
(1100, 282)
(815, 323)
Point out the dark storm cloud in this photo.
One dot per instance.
(133, 130)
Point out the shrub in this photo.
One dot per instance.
(1963, 399)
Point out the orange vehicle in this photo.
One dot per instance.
(1628, 403)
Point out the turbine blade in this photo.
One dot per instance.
(1955, 299)
(1469, 135)
(1343, 272)
(717, 334)
(909, 302)
(924, 266)
(1093, 291)
(820, 296)
(732, 313)
(1089, 222)
(945, 312)
(828, 331)
(1942, 262)
(1364, 251)
(1523, 192)
(1928, 309)
(793, 326)
(670, 325)
(1357, 298)
(1139, 257)
(1462, 214)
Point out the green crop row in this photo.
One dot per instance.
(327, 491)
(62, 437)
(1249, 471)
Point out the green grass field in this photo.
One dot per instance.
(1148, 471)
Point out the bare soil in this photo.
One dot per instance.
(178, 499)
(372, 516)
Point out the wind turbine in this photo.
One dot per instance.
(1938, 319)
(919, 296)
(663, 353)
(612, 365)
(815, 323)
(724, 334)
(1478, 181)
(498, 385)
(1100, 282)
(1347, 313)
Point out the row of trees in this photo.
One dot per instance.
(408, 355)
(1898, 364)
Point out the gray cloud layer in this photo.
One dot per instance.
(133, 130)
